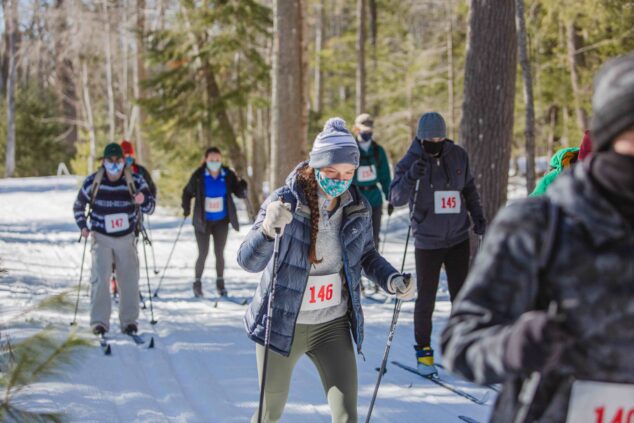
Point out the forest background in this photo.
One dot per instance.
(513, 79)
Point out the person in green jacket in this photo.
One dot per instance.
(561, 160)
(373, 170)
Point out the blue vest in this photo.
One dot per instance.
(215, 197)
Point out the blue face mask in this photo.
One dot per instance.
(214, 166)
(366, 136)
(332, 187)
(129, 160)
(113, 168)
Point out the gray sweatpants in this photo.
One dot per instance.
(121, 251)
(329, 346)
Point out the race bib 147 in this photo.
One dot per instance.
(117, 222)
(601, 402)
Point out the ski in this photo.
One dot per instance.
(491, 387)
(468, 419)
(139, 340)
(104, 345)
(238, 301)
(440, 382)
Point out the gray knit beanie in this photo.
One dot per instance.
(334, 145)
(431, 125)
(613, 101)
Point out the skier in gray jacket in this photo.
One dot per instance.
(552, 291)
(325, 244)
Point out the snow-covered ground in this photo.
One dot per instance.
(203, 367)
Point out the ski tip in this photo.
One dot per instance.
(244, 302)
(151, 344)
(153, 322)
(485, 398)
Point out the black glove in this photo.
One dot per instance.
(536, 342)
(417, 170)
(390, 209)
(479, 225)
(242, 187)
(186, 212)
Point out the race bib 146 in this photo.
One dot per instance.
(447, 202)
(322, 292)
(117, 222)
(601, 402)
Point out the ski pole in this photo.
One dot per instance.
(269, 310)
(81, 273)
(146, 240)
(178, 234)
(387, 226)
(397, 311)
(529, 387)
(149, 228)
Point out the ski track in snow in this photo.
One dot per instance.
(203, 366)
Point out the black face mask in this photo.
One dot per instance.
(615, 175)
(433, 148)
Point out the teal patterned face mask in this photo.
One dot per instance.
(332, 187)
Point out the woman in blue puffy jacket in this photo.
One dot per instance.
(325, 244)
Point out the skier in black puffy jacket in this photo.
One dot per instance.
(551, 293)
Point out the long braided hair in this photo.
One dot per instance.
(308, 183)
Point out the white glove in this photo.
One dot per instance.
(278, 215)
(403, 286)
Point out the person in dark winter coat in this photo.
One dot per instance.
(212, 186)
(440, 223)
(551, 293)
(324, 246)
(130, 160)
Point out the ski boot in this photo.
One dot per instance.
(198, 289)
(220, 286)
(425, 362)
(131, 329)
(99, 330)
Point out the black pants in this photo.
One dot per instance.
(219, 230)
(428, 264)
(376, 224)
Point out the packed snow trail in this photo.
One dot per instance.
(202, 368)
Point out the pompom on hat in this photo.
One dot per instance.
(334, 145)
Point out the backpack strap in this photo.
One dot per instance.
(375, 152)
(129, 180)
(554, 213)
(96, 183)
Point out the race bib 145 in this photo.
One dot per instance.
(447, 202)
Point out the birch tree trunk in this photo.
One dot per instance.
(64, 70)
(580, 113)
(450, 72)
(318, 90)
(489, 92)
(360, 94)
(142, 148)
(11, 25)
(288, 106)
(109, 89)
(89, 117)
(529, 130)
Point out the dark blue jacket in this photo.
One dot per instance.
(450, 172)
(256, 252)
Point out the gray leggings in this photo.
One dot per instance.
(329, 346)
